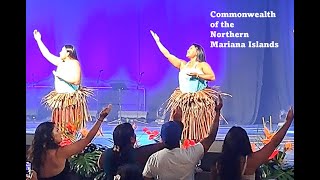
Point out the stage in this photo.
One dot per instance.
(255, 132)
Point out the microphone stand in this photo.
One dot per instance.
(139, 106)
(98, 82)
(33, 81)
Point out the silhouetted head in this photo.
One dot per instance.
(236, 145)
(124, 136)
(237, 142)
(122, 152)
(68, 51)
(46, 136)
(195, 50)
(171, 132)
(129, 172)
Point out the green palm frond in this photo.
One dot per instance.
(276, 169)
(100, 176)
(86, 164)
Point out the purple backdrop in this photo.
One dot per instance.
(114, 45)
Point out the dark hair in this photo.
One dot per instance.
(236, 145)
(122, 135)
(201, 56)
(122, 151)
(72, 51)
(42, 141)
(130, 172)
(171, 132)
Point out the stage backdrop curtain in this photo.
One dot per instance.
(114, 45)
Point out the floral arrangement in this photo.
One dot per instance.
(153, 135)
(83, 164)
(71, 134)
(277, 166)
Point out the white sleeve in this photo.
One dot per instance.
(147, 172)
(195, 152)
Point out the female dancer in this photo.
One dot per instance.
(193, 95)
(68, 101)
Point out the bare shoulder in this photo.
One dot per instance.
(72, 63)
(203, 64)
(55, 156)
(76, 62)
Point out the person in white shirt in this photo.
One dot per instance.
(173, 162)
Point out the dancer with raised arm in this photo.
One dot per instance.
(68, 100)
(193, 95)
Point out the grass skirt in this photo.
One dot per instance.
(197, 110)
(69, 108)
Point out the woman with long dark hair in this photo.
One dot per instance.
(50, 160)
(124, 139)
(193, 96)
(237, 161)
(124, 151)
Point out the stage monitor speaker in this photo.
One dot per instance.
(133, 114)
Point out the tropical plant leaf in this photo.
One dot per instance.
(85, 164)
(100, 176)
(276, 170)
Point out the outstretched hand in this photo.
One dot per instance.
(104, 113)
(36, 35)
(219, 104)
(155, 36)
(290, 114)
(193, 74)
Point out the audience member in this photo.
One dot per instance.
(173, 162)
(129, 172)
(238, 161)
(124, 152)
(49, 160)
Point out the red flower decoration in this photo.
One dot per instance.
(146, 130)
(152, 134)
(187, 143)
(65, 142)
(71, 128)
(273, 155)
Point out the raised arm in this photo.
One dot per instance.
(77, 147)
(264, 153)
(207, 142)
(44, 50)
(176, 62)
